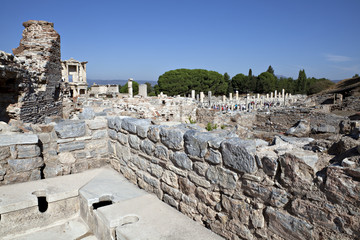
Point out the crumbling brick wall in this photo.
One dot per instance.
(39, 55)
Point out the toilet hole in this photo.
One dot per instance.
(103, 201)
(42, 202)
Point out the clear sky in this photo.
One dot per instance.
(143, 39)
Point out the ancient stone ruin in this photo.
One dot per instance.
(31, 79)
(138, 167)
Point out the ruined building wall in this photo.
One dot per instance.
(39, 54)
(240, 189)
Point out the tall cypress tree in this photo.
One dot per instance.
(301, 82)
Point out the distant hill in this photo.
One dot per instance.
(349, 86)
(117, 82)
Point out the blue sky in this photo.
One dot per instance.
(143, 39)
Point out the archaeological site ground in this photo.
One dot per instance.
(81, 163)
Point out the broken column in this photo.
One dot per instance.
(130, 87)
(237, 96)
(201, 97)
(230, 96)
(193, 94)
(209, 96)
(143, 90)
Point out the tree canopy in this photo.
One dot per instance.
(182, 81)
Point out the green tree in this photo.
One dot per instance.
(266, 83)
(135, 85)
(301, 82)
(182, 81)
(228, 81)
(250, 73)
(149, 88)
(270, 70)
(240, 82)
(356, 76)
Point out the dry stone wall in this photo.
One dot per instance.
(53, 149)
(241, 189)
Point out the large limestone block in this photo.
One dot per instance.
(172, 138)
(26, 164)
(28, 151)
(70, 129)
(181, 160)
(87, 113)
(71, 146)
(12, 139)
(238, 155)
(196, 142)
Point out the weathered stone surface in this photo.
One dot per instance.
(341, 188)
(28, 151)
(314, 214)
(129, 125)
(4, 153)
(186, 186)
(147, 147)
(213, 156)
(98, 134)
(161, 152)
(6, 140)
(181, 160)
(134, 141)
(224, 177)
(171, 201)
(172, 138)
(295, 173)
(241, 230)
(324, 128)
(70, 129)
(26, 164)
(207, 197)
(170, 179)
(200, 168)
(270, 165)
(155, 170)
(66, 158)
(112, 134)
(175, 193)
(123, 138)
(142, 127)
(300, 129)
(257, 219)
(123, 153)
(237, 155)
(288, 227)
(154, 133)
(199, 181)
(87, 114)
(98, 123)
(71, 146)
(196, 142)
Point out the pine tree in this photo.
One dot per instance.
(270, 70)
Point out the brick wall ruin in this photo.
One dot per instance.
(31, 81)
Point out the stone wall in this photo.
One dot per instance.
(53, 149)
(31, 80)
(241, 189)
